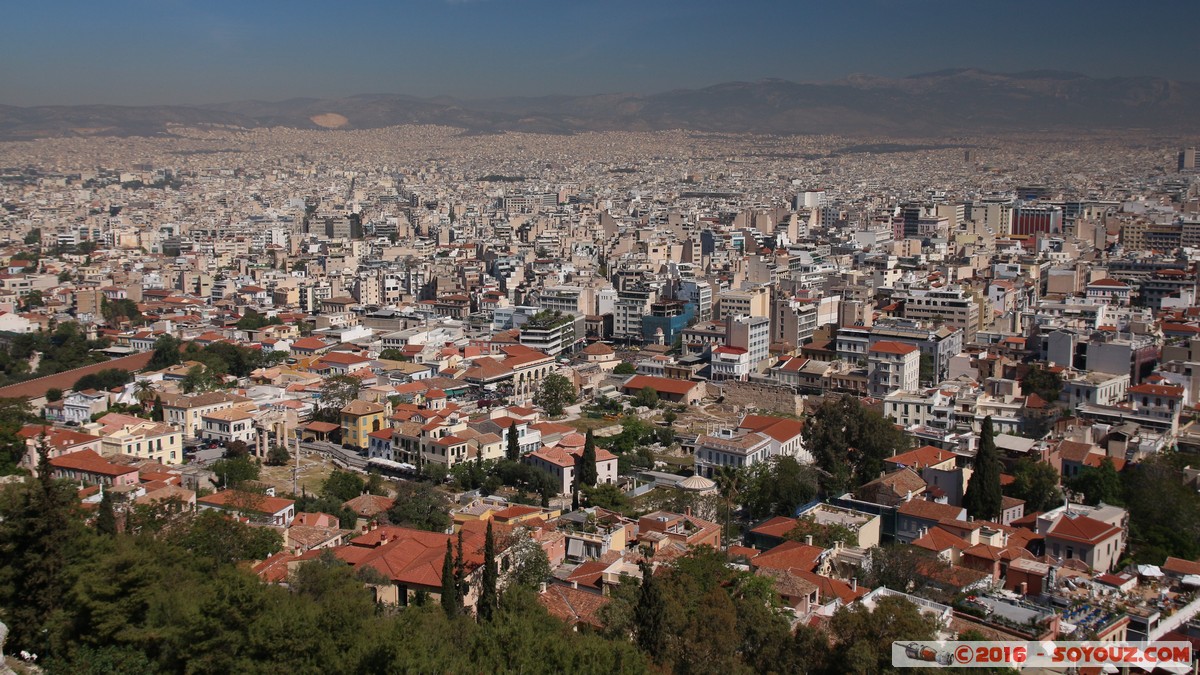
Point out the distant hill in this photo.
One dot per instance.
(948, 102)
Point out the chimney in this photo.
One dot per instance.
(687, 510)
(808, 540)
(574, 584)
(854, 583)
(1023, 588)
(542, 587)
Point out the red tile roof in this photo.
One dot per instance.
(90, 462)
(1082, 529)
(926, 455)
(788, 555)
(889, 347)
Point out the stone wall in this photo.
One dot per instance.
(773, 397)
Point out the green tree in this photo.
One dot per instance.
(34, 299)
(488, 600)
(983, 498)
(14, 414)
(278, 455)
(1042, 382)
(587, 466)
(864, 636)
(606, 496)
(116, 311)
(646, 398)
(166, 353)
(512, 451)
(529, 565)
(41, 536)
(232, 472)
(393, 354)
(104, 380)
(54, 394)
(252, 320)
(1098, 484)
(650, 615)
(1035, 483)
(106, 515)
(200, 378)
(220, 539)
(343, 485)
(1164, 511)
(850, 442)
(157, 413)
(555, 394)
(823, 535)
(625, 368)
(450, 602)
(420, 506)
(336, 392)
(778, 486)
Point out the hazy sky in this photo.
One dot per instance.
(171, 51)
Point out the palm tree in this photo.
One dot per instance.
(144, 391)
(729, 482)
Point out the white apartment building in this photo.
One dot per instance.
(893, 366)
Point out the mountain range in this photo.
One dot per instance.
(939, 104)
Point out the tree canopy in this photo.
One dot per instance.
(555, 394)
(850, 442)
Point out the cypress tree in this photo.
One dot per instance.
(514, 450)
(449, 586)
(106, 517)
(587, 466)
(983, 498)
(487, 594)
(650, 615)
(460, 571)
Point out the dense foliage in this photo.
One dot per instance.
(1044, 383)
(180, 602)
(850, 442)
(1164, 510)
(1036, 483)
(31, 355)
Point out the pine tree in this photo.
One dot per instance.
(487, 594)
(514, 450)
(650, 615)
(449, 585)
(156, 413)
(587, 466)
(106, 517)
(983, 499)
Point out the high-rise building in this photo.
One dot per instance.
(1187, 159)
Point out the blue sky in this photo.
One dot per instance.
(171, 51)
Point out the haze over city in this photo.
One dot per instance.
(140, 53)
(615, 337)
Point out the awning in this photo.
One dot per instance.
(1149, 571)
(1191, 580)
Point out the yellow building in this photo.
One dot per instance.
(360, 418)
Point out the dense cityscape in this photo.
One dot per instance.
(612, 383)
